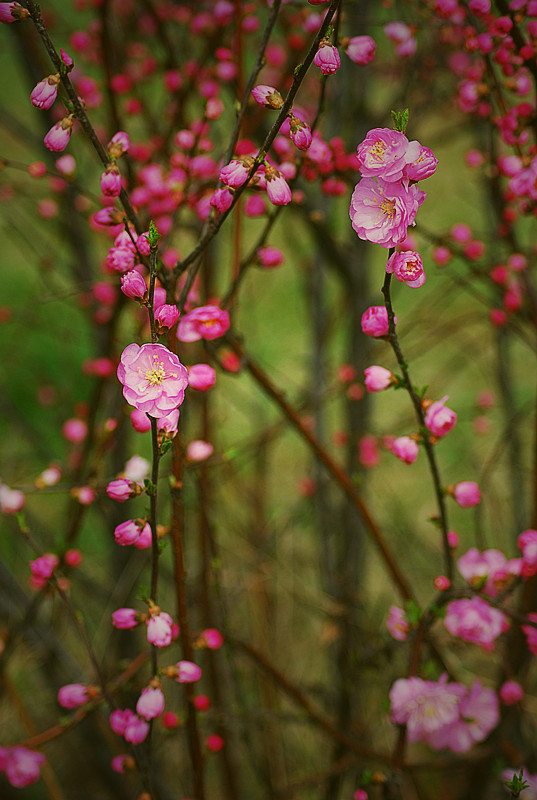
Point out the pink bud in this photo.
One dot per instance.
(58, 136)
(122, 490)
(361, 49)
(467, 494)
(377, 378)
(118, 144)
(134, 286)
(300, 133)
(406, 449)
(278, 189)
(45, 92)
(187, 672)
(125, 618)
(327, 58)
(267, 96)
(214, 743)
(211, 638)
(202, 702)
(511, 692)
(12, 12)
(222, 199)
(150, 703)
(375, 321)
(11, 500)
(159, 629)
(73, 695)
(199, 450)
(442, 583)
(201, 377)
(165, 317)
(439, 419)
(111, 181)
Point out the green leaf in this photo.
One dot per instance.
(165, 446)
(413, 612)
(153, 236)
(400, 120)
(517, 785)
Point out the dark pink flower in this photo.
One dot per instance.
(375, 321)
(134, 286)
(111, 181)
(125, 618)
(222, 199)
(23, 766)
(43, 567)
(511, 692)
(407, 267)
(45, 92)
(206, 322)
(381, 212)
(73, 695)
(439, 419)
(153, 378)
(361, 49)
(201, 377)
(300, 133)
(269, 256)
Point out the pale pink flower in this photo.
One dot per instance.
(397, 624)
(58, 136)
(478, 715)
(439, 419)
(153, 378)
(407, 267)
(361, 49)
(406, 449)
(11, 500)
(159, 629)
(327, 58)
(199, 450)
(187, 672)
(425, 707)
(125, 618)
(12, 12)
(23, 766)
(473, 620)
(385, 153)
(73, 695)
(45, 92)
(150, 703)
(267, 96)
(467, 494)
(206, 322)
(377, 378)
(201, 377)
(381, 212)
(375, 321)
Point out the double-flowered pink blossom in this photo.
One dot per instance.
(122, 490)
(385, 153)
(382, 211)
(474, 620)
(407, 267)
(206, 322)
(153, 378)
(440, 419)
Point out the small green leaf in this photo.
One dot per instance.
(153, 235)
(413, 612)
(165, 446)
(517, 785)
(400, 120)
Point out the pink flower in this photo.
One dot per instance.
(511, 692)
(198, 450)
(43, 567)
(235, 173)
(489, 571)
(134, 286)
(478, 715)
(150, 703)
(201, 377)
(166, 316)
(214, 742)
(467, 494)
(125, 619)
(129, 532)
(121, 259)
(136, 730)
(385, 153)
(140, 421)
(473, 620)
(361, 49)
(23, 766)
(206, 322)
(45, 92)
(327, 58)
(73, 695)
(118, 144)
(406, 449)
(122, 490)
(381, 212)
(210, 638)
(269, 256)
(12, 12)
(278, 190)
(168, 424)
(439, 419)
(119, 720)
(111, 181)
(425, 707)
(377, 378)
(11, 500)
(267, 96)
(159, 629)
(153, 378)
(422, 167)
(187, 672)
(527, 543)
(375, 321)
(58, 136)
(397, 624)
(300, 133)
(407, 266)
(222, 199)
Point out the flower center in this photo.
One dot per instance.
(377, 150)
(155, 374)
(388, 208)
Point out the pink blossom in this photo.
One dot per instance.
(140, 421)
(121, 259)
(511, 692)
(531, 634)
(43, 567)
(214, 742)
(11, 500)
(127, 533)
(467, 494)
(381, 212)
(327, 58)
(125, 618)
(23, 766)
(187, 672)
(267, 96)
(425, 707)
(199, 450)
(136, 730)
(75, 430)
(201, 377)
(375, 321)
(118, 144)
(385, 153)
(527, 544)
(153, 378)
(422, 167)
(407, 267)
(236, 172)
(150, 703)
(222, 199)
(377, 378)
(489, 570)
(269, 256)
(406, 449)
(210, 638)
(134, 286)
(122, 490)
(111, 181)
(300, 132)
(439, 419)
(206, 322)
(159, 629)
(473, 620)
(45, 92)
(12, 12)
(397, 624)
(119, 718)
(278, 190)
(73, 695)
(58, 136)
(478, 715)
(166, 316)
(361, 49)
(169, 423)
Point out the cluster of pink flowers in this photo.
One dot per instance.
(384, 203)
(488, 571)
(442, 714)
